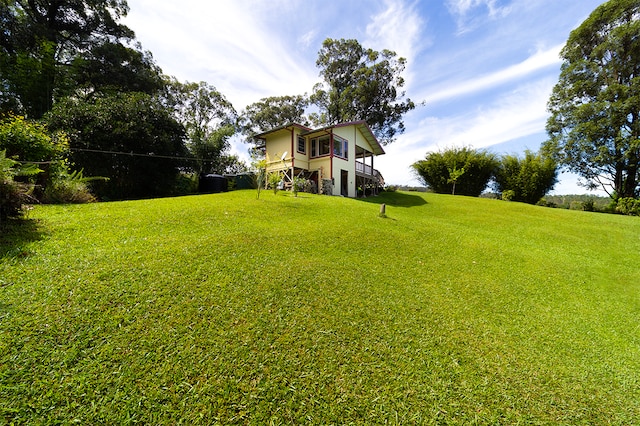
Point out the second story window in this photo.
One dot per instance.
(340, 147)
(302, 145)
(320, 146)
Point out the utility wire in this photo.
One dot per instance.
(133, 154)
(130, 154)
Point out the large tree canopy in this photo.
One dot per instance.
(208, 118)
(272, 112)
(361, 84)
(51, 48)
(129, 138)
(594, 126)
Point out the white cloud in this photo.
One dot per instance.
(467, 15)
(513, 116)
(224, 44)
(536, 62)
(307, 39)
(396, 28)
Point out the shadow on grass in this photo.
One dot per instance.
(396, 199)
(14, 234)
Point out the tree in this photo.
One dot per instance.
(208, 118)
(361, 84)
(113, 67)
(465, 169)
(272, 112)
(529, 178)
(130, 138)
(594, 127)
(454, 175)
(40, 40)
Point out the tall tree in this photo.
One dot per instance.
(594, 126)
(208, 118)
(361, 84)
(41, 38)
(272, 112)
(112, 67)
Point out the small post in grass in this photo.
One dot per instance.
(383, 208)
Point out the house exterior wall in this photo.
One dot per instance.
(277, 144)
(301, 159)
(355, 138)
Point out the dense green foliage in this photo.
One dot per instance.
(270, 113)
(48, 47)
(31, 141)
(69, 57)
(628, 206)
(197, 310)
(594, 126)
(361, 84)
(472, 170)
(14, 194)
(528, 178)
(129, 138)
(209, 119)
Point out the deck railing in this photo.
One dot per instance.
(370, 171)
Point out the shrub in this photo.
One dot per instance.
(589, 205)
(274, 181)
(468, 169)
(628, 206)
(508, 195)
(13, 195)
(29, 141)
(69, 188)
(298, 185)
(528, 178)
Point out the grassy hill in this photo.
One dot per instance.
(228, 309)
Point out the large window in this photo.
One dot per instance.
(340, 147)
(320, 146)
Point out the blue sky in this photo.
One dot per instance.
(483, 68)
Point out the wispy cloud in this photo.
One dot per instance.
(397, 27)
(226, 44)
(517, 114)
(307, 39)
(538, 61)
(467, 15)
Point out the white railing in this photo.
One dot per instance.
(364, 168)
(370, 171)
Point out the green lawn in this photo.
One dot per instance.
(313, 310)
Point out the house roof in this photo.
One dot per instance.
(277, 129)
(360, 125)
(366, 132)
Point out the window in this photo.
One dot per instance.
(320, 146)
(302, 145)
(340, 147)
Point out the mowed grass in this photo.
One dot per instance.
(313, 310)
